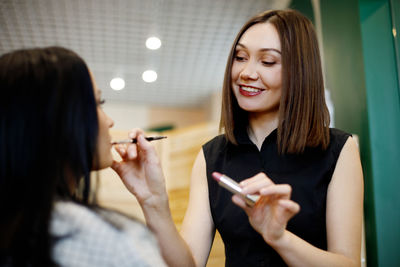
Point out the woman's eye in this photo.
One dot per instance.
(102, 101)
(268, 63)
(238, 58)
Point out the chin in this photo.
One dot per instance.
(106, 164)
(251, 107)
(258, 107)
(102, 164)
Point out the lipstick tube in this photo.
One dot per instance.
(234, 187)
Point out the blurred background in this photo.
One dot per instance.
(360, 52)
(111, 36)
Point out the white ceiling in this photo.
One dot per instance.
(110, 35)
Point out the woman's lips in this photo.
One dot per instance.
(249, 90)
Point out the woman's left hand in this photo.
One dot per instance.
(140, 171)
(272, 211)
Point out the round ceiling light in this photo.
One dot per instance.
(117, 84)
(149, 76)
(153, 43)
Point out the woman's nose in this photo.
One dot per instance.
(249, 72)
(110, 121)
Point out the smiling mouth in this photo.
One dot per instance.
(249, 90)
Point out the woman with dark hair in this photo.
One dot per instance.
(278, 145)
(53, 132)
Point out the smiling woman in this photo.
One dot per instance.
(277, 145)
(257, 68)
(273, 45)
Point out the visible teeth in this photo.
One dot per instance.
(250, 89)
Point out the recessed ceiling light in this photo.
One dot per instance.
(153, 43)
(117, 84)
(149, 76)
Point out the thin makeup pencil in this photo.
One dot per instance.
(134, 140)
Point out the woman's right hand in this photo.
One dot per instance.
(140, 171)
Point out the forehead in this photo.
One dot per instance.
(260, 36)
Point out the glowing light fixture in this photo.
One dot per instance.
(153, 43)
(117, 84)
(149, 76)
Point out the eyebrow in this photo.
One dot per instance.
(262, 49)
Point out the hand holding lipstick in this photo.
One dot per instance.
(270, 214)
(234, 188)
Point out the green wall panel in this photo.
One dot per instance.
(395, 12)
(305, 7)
(345, 78)
(362, 66)
(384, 120)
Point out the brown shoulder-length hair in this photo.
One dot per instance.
(303, 114)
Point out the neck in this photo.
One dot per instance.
(261, 125)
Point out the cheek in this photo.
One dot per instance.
(277, 83)
(273, 79)
(103, 157)
(235, 71)
(103, 124)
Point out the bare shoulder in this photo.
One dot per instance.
(200, 163)
(351, 143)
(349, 154)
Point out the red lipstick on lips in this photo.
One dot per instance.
(247, 93)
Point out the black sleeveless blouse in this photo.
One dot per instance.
(308, 174)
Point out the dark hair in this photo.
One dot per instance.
(303, 114)
(48, 137)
